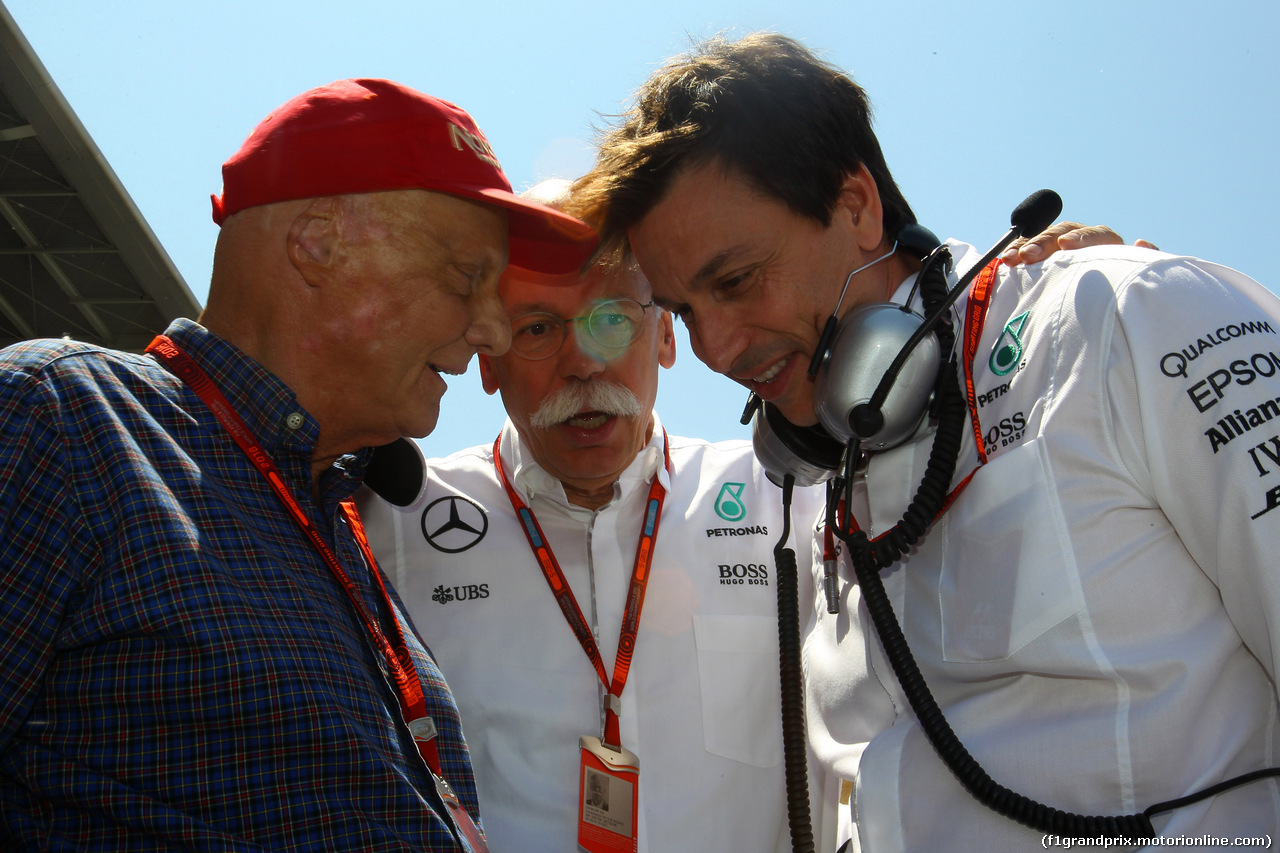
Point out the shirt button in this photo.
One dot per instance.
(294, 420)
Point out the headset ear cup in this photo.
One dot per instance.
(868, 340)
(866, 344)
(850, 364)
(809, 454)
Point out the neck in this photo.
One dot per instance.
(588, 492)
(897, 270)
(588, 497)
(320, 464)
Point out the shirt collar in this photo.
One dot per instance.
(962, 257)
(533, 482)
(904, 292)
(269, 407)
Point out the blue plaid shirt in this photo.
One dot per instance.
(178, 667)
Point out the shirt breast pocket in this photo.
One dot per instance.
(738, 677)
(1009, 573)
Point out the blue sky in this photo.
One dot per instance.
(1157, 118)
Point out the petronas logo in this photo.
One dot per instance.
(729, 502)
(1007, 352)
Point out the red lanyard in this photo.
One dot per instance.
(569, 604)
(394, 650)
(975, 319)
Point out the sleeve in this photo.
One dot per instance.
(42, 542)
(1193, 387)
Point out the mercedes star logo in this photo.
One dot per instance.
(454, 524)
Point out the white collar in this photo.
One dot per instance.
(535, 483)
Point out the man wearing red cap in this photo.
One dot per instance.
(198, 651)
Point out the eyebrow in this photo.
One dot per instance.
(711, 269)
(515, 309)
(528, 308)
(699, 280)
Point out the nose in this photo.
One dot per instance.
(715, 341)
(490, 329)
(575, 360)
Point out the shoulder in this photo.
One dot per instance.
(698, 449)
(469, 473)
(67, 372)
(463, 475)
(52, 356)
(711, 464)
(706, 459)
(464, 463)
(1088, 294)
(1115, 273)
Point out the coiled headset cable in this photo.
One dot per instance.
(786, 576)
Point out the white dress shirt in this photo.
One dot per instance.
(1098, 614)
(701, 705)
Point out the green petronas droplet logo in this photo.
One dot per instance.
(1007, 352)
(729, 504)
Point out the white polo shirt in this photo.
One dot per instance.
(701, 705)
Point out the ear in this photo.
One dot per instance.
(314, 239)
(488, 374)
(666, 341)
(858, 208)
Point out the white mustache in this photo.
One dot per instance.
(596, 395)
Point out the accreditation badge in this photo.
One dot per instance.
(608, 797)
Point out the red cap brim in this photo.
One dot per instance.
(542, 238)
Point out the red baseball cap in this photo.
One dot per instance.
(362, 136)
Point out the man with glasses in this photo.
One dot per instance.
(586, 458)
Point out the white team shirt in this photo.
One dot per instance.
(701, 705)
(1098, 614)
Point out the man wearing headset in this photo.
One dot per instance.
(1092, 605)
(581, 449)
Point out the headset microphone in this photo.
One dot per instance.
(866, 420)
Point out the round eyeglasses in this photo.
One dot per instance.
(611, 326)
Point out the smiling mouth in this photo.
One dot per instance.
(772, 373)
(448, 371)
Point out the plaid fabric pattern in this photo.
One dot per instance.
(178, 667)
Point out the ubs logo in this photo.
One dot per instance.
(453, 524)
(469, 592)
